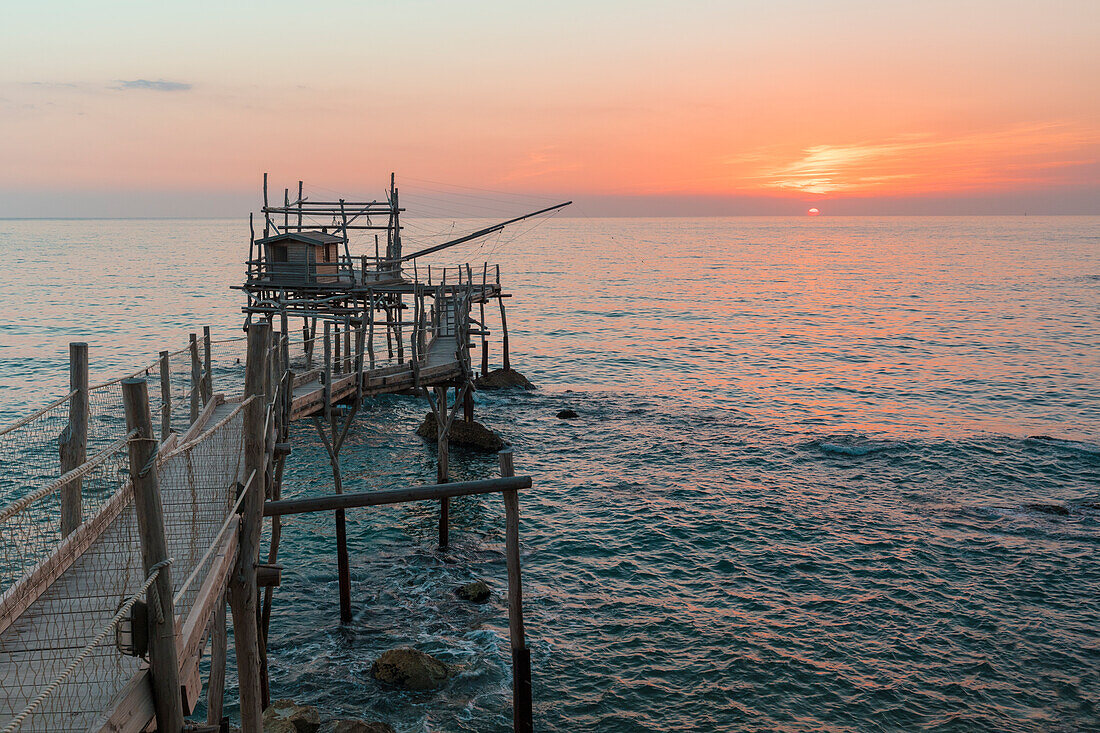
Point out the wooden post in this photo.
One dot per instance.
(370, 332)
(348, 355)
(522, 719)
(398, 330)
(163, 664)
(442, 474)
(165, 397)
(342, 565)
(504, 334)
(242, 586)
(337, 362)
(484, 343)
(74, 440)
(307, 343)
(215, 684)
(207, 376)
(299, 206)
(196, 379)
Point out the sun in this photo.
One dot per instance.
(812, 212)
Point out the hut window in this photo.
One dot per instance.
(278, 253)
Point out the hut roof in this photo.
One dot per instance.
(315, 238)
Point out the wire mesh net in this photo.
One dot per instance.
(59, 592)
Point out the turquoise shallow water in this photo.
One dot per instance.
(796, 498)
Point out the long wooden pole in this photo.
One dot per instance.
(442, 474)
(163, 663)
(342, 565)
(395, 496)
(242, 588)
(196, 378)
(74, 448)
(215, 684)
(165, 397)
(504, 335)
(522, 718)
(207, 376)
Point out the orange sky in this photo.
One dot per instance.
(791, 101)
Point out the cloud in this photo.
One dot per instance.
(1040, 154)
(160, 85)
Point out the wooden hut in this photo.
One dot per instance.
(295, 259)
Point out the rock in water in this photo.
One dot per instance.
(467, 434)
(1056, 509)
(284, 716)
(475, 592)
(357, 726)
(409, 668)
(567, 415)
(503, 379)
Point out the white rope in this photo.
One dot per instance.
(40, 413)
(217, 538)
(82, 470)
(17, 721)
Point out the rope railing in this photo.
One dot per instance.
(80, 471)
(122, 612)
(37, 414)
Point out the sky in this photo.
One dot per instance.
(628, 108)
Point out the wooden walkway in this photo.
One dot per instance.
(58, 609)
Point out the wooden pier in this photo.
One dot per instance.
(133, 509)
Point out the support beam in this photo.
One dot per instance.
(442, 474)
(165, 397)
(522, 717)
(74, 440)
(163, 663)
(215, 684)
(242, 586)
(395, 496)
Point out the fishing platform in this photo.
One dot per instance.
(134, 510)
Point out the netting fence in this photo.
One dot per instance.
(63, 590)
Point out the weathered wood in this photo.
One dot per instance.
(431, 492)
(522, 719)
(196, 378)
(215, 683)
(165, 397)
(163, 662)
(484, 342)
(74, 446)
(442, 473)
(131, 709)
(242, 588)
(504, 336)
(207, 375)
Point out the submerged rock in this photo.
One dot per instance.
(357, 726)
(1056, 509)
(467, 434)
(409, 668)
(567, 415)
(475, 592)
(503, 379)
(286, 716)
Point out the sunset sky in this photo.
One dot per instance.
(628, 107)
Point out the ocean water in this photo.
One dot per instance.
(800, 494)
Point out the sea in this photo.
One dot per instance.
(827, 474)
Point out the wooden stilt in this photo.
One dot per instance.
(442, 474)
(163, 664)
(468, 404)
(242, 586)
(74, 439)
(522, 719)
(207, 376)
(333, 446)
(215, 684)
(165, 397)
(504, 335)
(484, 343)
(196, 378)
